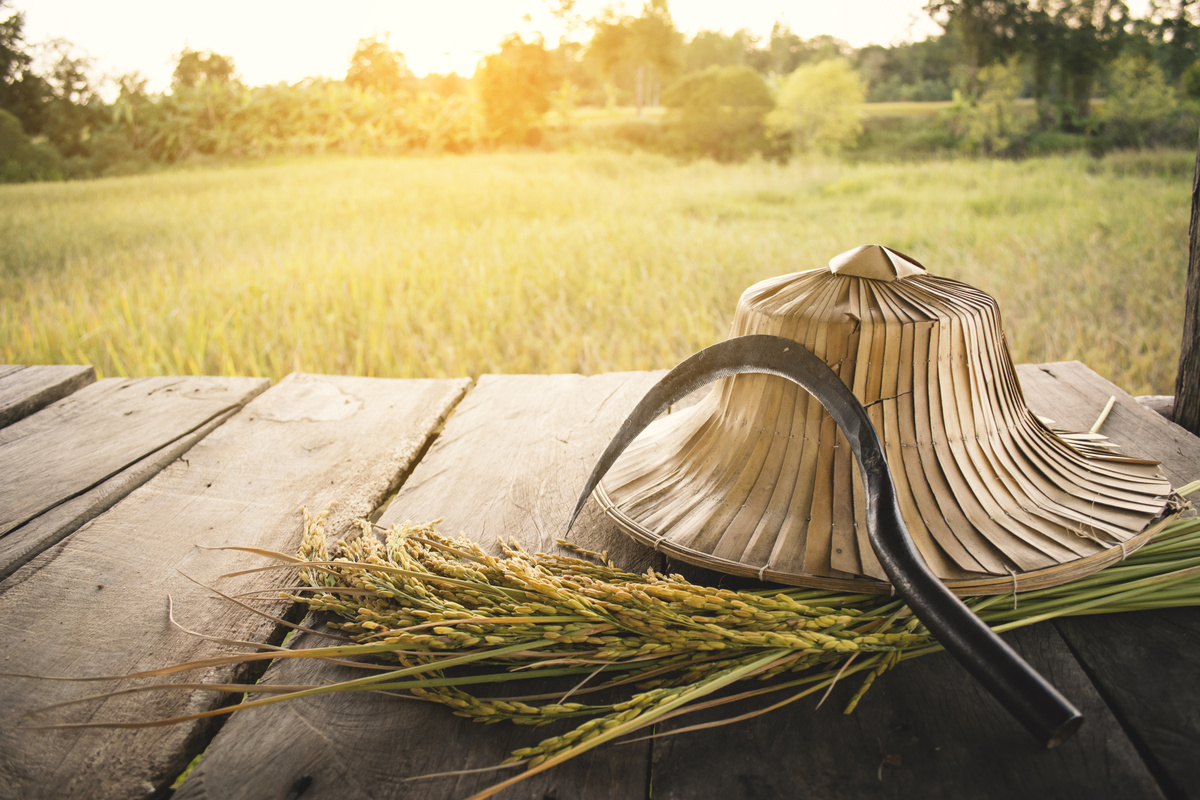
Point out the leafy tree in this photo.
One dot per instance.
(609, 48)
(717, 49)
(120, 145)
(61, 103)
(443, 85)
(194, 69)
(823, 48)
(987, 31)
(13, 141)
(564, 11)
(201, 114)
(1045, 47)
(991, 121)
(20, 158)
(451, 123)
(1068, 44)
(23, 93)
(1172, 28)
(1190, 82)
(571, 66)
(785, 51)
(915, 71)
(1138, 100)
(657, 46)
(638, 53)
(515, 86)
(13, 58)
(1091, 35)
(72, 109)
(719, 112)
(818, 107)
(375, 65)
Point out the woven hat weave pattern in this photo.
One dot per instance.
(755, 479)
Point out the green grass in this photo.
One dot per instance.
(932, 108)
(905, 108)
(434, 266)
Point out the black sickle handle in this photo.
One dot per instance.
(1049, 716)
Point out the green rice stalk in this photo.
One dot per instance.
(428, 606)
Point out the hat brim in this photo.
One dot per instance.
(756, 480)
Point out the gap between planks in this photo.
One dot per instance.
(98, 606)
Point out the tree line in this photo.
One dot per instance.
(1015, 75)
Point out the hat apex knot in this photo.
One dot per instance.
(876, 262)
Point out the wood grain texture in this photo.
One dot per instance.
(1161, 404)
(924, 730)
(98, 599)
(927, 730)
(1187, 379)
(1144, 664)
(746, 482)
(154, 424)
(24, 390)
(509, 463)
(21, 544)
(95, 433)
(368, 747)
(1073, 396)
(515, 457)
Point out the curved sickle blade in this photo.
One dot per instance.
(1049, 716)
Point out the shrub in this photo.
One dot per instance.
(1139, 101)
(818, 107)
(22, 159)
(1052, 142)
(111, 153)
(991, 122)
(515, 87)
(903, 137)
(1190, 81)
(718, 112)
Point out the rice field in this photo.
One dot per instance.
(567, 262)
(906, 108)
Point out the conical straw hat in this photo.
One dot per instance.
(756, 479)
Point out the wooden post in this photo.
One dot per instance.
(1187, 383)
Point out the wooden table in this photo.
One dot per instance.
(109, 490)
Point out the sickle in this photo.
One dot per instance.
(1049, 716)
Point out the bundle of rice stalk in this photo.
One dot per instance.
(425, 607)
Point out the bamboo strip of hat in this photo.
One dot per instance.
(756, 479)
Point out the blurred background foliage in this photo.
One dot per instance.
(1006, 78)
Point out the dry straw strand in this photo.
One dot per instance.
(633, 650)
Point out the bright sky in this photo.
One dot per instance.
(280, 40)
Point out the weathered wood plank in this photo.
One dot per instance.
(98, 599)
(1187, 379)
(1161, 404)
(1145, 664)
(71, 461)
(509, 463)
(517, 457)
(21, 544)
(25, 390)
(927, 729)
(924, 730)
(1074, 396)
(98, 431)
